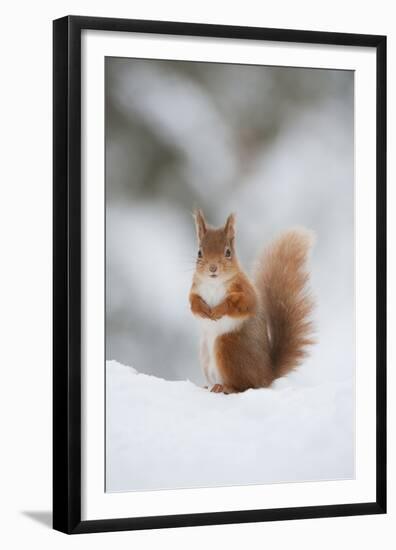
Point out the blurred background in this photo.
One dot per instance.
(273, 144)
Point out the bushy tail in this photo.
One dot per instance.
(281, 279)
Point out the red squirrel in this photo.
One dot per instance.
(253, 330)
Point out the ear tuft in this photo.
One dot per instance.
(229, 227)
(200, 223)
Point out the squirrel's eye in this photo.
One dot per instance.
(199, 253)
(227, 253)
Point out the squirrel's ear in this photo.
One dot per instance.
(229, 227)
(200, 223)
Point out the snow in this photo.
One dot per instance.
(165, 434)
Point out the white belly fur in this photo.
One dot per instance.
(214, 292)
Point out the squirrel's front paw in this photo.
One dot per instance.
(217, 312)
(215, 316)
(205, 314)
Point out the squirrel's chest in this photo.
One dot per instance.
(212, 292)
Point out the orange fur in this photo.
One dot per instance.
(281, 279)
(199, 307)
(241, 300)
(272, 326)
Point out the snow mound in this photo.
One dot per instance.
(164, 435)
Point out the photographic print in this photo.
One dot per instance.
(230, 293)
(219, 334)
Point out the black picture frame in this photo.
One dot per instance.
(67, 273)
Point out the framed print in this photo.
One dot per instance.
(219, 274)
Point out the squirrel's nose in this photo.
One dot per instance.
(213, 268)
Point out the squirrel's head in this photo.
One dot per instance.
(216, 257)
